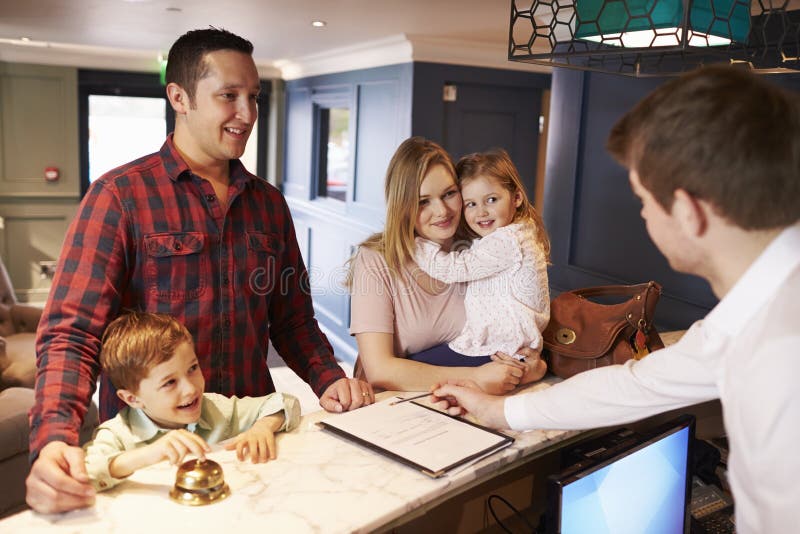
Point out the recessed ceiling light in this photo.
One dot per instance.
(319, 23)
(25, 39)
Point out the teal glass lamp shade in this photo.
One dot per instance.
(653, 23)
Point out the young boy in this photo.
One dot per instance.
(150, 359)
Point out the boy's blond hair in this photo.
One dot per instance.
(136, 342)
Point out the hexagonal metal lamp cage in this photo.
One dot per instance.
(654, 37)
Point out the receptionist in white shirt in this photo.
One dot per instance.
(714, 157)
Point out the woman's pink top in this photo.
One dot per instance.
(398, 305)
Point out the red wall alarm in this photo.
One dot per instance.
(51, 174)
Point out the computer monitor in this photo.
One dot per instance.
(625, 482)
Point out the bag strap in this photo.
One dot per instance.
(640, 315)
(620, 290)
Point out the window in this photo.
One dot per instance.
(142, 120)
(333, 151)
(125, 115)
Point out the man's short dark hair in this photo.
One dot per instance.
(186, 63)
(724, 135)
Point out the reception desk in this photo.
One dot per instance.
(318, 483)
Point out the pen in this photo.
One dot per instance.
(409, 399)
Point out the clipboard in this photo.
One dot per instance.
(416, 435)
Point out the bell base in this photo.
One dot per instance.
(199, 497)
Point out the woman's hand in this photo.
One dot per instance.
(534, 366)
(499, 377)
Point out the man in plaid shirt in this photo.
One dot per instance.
(189, 232)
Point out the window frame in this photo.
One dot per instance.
(139, 84)
(323, 101)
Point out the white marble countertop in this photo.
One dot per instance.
(319, 483)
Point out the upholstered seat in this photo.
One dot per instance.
(18, 324)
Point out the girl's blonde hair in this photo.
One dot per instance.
(407, 168)
(497, 164)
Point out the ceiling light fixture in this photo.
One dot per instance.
(319, 23)
(654, 37)
(24, 41)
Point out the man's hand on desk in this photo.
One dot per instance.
(347, 394)
(458, 397)
(58, 481)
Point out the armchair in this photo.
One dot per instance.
(18, 324)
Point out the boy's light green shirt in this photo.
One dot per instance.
(221, 418)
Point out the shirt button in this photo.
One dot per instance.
(227, 321)
(225, 281)
(177, 246)
(210, 198)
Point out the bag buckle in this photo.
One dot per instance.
(565, 336)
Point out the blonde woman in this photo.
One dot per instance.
(397, 310)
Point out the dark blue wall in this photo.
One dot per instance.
(328, 230)
(429, 78)
(597, 234)
(389, 104)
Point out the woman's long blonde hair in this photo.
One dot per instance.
(408, 167)
(497, 164)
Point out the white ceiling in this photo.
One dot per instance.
(280, 30)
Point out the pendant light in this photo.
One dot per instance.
(654, 37)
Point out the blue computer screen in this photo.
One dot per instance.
(643, 492)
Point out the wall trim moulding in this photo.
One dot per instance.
(467, 53)
(403, 48)
(369, 54)
(94, 57)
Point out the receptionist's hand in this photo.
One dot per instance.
(459, 397)
(347, 394)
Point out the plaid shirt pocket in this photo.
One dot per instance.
(262, 262)
(177, 265)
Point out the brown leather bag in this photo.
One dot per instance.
(583, 334)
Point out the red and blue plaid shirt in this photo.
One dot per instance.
(152, 236)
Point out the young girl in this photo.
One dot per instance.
(507, 300)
